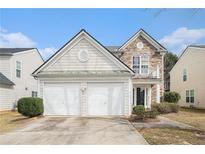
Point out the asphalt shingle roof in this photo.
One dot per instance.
(198, 46)
(13, 50)
(4, 80)
(113, 48)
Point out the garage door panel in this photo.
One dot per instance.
(73, 99)
(105, 98)
(117, 100)
(54, 101)
(62, 99)
(97, 101)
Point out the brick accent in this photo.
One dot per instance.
(155, 59)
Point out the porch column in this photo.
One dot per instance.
(145, 97)
(158, 94)
(135, 96)
(149, 97)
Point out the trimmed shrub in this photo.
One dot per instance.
(153, 113)
(139, 110)
(164, 108)
(171, 97)
(30, 106)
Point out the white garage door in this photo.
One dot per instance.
(62, 99)
(105, 98)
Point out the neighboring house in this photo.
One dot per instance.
(187, 77)
(85, 78)
(16, 66)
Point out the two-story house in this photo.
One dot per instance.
(88, 79)
(187, 77)
(16, 66)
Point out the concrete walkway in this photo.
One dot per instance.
(162, 123)
(64, 130)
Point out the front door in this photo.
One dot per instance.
(140, 96)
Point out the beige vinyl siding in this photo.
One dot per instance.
(30, 60)
(6, 97)
(69, 61)
(193, 61)
(5, 66)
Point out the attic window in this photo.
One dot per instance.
(83, 55)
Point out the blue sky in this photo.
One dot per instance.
(49, 29)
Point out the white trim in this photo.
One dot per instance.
(148, 38)
(149, 97)
(158, 94)
(82, 60)
(145, 97)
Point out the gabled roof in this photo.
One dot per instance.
(150, 39)
(13, 50)
(197, 46)
(184, 51)
(73, 38)
(4, 80)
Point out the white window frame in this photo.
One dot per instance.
(146, 64)
(189, 96)
(18, 69)
(137, 56)
(140, 63)
(184, 74)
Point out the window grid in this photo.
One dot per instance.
(184, 75)
(141, 64)
(190, 96)
(18, 69)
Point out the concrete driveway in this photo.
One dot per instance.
(73, 130)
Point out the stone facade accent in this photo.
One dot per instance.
(155, 59)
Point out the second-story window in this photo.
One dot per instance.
(18, 69)
(184, 75)
(141, 64)
(144, 64)
(136, 64)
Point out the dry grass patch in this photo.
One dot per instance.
(10, 120)
(193, 117)
(159, 136)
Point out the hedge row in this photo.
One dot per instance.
(164, 107)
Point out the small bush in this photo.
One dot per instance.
(164, 108)
(139, 110)
(29, 106)
(153, 113)
(171, 97)
(141, 113)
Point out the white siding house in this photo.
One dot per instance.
(84, 78)
(16, 66)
